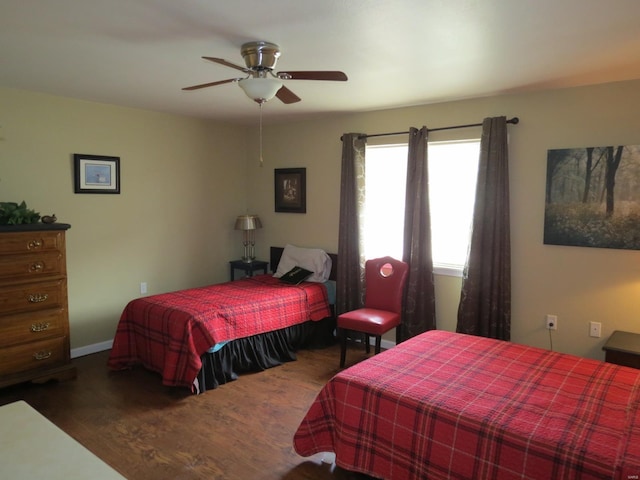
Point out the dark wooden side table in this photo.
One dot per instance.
(247, 267)
(623, 348)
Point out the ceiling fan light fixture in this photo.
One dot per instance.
(260, 89)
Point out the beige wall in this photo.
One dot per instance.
(185, 180)
(183, 183)
(578, 285)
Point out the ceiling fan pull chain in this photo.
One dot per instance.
(261, 160)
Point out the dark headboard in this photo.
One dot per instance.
(276, 254)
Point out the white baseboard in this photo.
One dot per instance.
(385, 344)
(89, 349)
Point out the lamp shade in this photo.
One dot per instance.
(248, 222)
(260, 89)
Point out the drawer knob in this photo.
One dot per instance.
(42, 355)
(38, 297)
(36, 267)
(40, 327)
(34, 244)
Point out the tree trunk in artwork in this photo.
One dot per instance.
(587, 175)
(613, 161)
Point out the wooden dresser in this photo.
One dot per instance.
(34, 317)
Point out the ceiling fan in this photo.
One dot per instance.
(261, 83)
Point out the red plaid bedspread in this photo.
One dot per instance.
(445, 405)
(168, 333)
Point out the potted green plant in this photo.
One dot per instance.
(12, 213)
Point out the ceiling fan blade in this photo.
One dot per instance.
(287, 96)
(211, 84)
(222, 61)
(311, 75)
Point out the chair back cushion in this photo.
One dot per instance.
(385, 292)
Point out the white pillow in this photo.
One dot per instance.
(313, 259)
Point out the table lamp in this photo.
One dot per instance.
(248, 224)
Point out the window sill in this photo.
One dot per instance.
(448, 270)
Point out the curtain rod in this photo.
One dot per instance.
(514, 121)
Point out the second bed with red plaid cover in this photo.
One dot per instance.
(450, 406)
(168, 333)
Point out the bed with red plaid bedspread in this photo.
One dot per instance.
(168, 333)
(443, 405)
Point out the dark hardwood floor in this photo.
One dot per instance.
(241, 430)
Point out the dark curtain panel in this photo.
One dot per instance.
(419, 313)
(485, 299)
(350, 270)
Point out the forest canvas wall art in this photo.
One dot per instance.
(593, 197)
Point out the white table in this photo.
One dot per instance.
(31, 447)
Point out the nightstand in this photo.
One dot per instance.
(247, 267)
(623, 348)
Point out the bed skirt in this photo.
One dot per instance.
(259, 352)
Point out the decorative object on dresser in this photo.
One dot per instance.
(248, 224)
(34, 318)
(12, 213)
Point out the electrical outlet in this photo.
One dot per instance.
(595, 329)
(551, 322)
(143, 288)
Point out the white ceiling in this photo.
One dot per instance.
(140, 53)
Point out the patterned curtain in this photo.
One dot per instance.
(485, 299)
(419, 313)
(350, 270)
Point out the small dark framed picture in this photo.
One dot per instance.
(96, 173)
(290, 186)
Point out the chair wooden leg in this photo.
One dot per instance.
(366, 343)
(378, 343)
(343, 346)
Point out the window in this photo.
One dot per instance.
(453, 170)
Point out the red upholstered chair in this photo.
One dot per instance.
(385, 279)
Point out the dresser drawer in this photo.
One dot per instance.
(32, 326)
(35, 355)
(29, 242)
(31, 297)
(19, 267)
